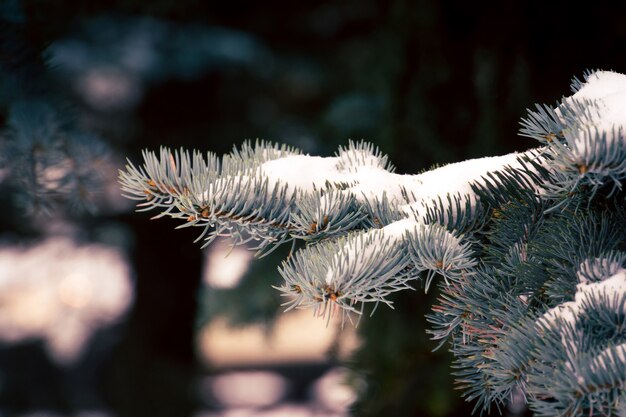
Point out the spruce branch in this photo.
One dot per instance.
(584, 136)
(531, 246)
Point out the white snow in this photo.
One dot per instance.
(398, 229)
(601, 84)
(454, 179)
(609, 290)
(303, 172)
(365, 179)
(368, 181)
(607, 91)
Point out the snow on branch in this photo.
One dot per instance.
(611, 292)
(268, 195)
(531, 246)
(585, 134)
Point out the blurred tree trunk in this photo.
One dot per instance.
(153, 369)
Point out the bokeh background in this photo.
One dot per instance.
(104, 312)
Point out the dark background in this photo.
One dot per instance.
(427, 81)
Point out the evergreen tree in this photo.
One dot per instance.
(529, 248)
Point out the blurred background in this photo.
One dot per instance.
(104, 312)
